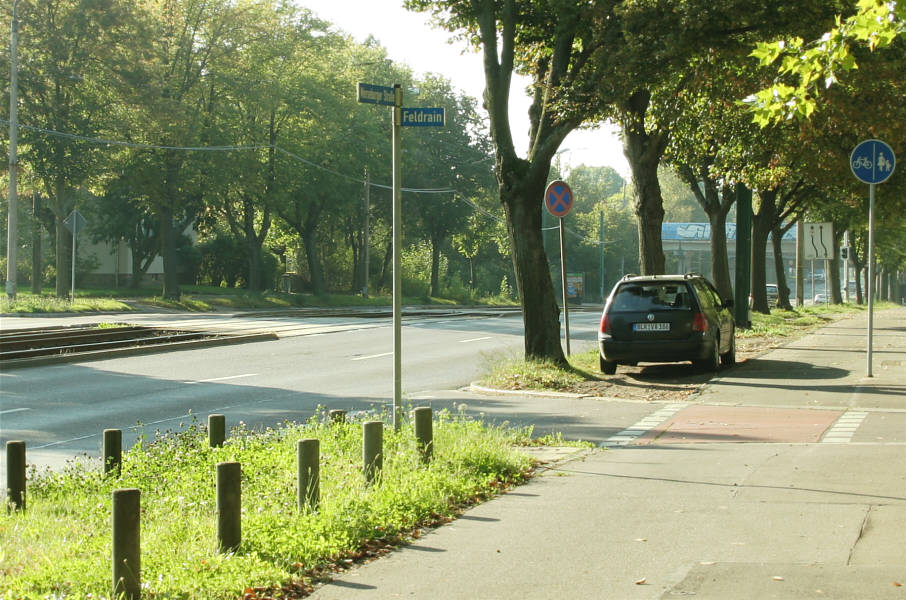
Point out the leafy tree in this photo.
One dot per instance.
(812, 66)
(454, 156)
(554, 44)
(66, 51)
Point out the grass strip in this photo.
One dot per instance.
(60, 547)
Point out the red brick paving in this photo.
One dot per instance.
(734, 424)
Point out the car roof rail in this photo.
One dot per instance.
(692, 274)
(629, 276)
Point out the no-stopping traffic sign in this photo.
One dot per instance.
(558, 198)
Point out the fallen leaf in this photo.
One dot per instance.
(641, 581)
(707, 563)
(897, 584)
(777, 578)
(641, 539)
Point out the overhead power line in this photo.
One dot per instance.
(143, 146)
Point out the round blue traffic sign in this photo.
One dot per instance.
(558, 198)
(872, 161)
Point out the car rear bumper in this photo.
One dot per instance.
(656, 350)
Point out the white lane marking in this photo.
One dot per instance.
(213, 379)
(634, 432)
(373, 356)
(481, 339)
(12, 410)
(75, 439)
(843, 429)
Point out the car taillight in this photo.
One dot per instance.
(605, 324)
(699, 322)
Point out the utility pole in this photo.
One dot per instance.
(13, 217)
(601, 231)
(366, 232)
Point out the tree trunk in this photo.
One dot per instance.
(783, 290)
(63, 256)
(644, 150)
(171, 289)
(172, 166)
(37, 272)
(435, 267)
(763, 221)
(315, 269)
(256, 265)
(521, 189)
(385, 264)
(716, 206)
(720, 261)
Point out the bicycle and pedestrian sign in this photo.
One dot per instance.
(872, 161)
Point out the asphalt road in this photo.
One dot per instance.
(338, 362)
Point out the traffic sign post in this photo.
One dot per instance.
(558, 198)
(368, 93)
(872, 162)
(397, 270)
(75, 223)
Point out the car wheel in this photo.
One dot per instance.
(712, 363)
(729, 358)
(607, 367)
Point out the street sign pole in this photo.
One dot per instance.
(558, 198)
(72, 279)
(397, 240)
(872, 162)
(871, 274)
(563, 284)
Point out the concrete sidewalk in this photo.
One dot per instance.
(668, 513)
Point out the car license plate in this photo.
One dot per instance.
(651, 326)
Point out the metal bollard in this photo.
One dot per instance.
(216, 430)
(126, 544)
(112, 453)
(336, 416)
(372, 450)
(229, 506)
(308, 453)
(424, 433)
(15, 475)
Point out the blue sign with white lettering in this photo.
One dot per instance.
(376, 94)
(872, 161)
(422, 117)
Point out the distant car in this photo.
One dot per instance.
(820, 298)
(666, 318)
(773, 293)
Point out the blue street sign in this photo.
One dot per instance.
(423, 117)
(558, 198)
(376, 94)
(872, 161)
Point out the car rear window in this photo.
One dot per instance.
(651, 296)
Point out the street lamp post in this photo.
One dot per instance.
(13, 217)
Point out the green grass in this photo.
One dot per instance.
(29, 303)
(513, 373)
(206, 299)
(60, 547)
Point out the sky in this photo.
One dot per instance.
(410, 39)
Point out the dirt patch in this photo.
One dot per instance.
(667, 382)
